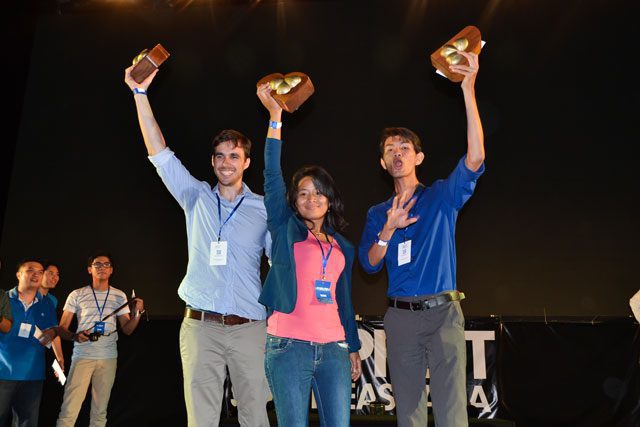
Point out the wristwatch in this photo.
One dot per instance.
(381, 242)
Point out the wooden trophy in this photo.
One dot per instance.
(147, 62)
(467, 40)
(289, 90)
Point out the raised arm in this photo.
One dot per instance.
(274, 109)
(274, 187)
(153, 139)
(475, 135)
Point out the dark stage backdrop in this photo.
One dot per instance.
(552, 227)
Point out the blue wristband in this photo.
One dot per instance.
(275, 125)
(138, 91)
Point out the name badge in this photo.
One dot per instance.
(37, 334)
(218, 255)
(98, 328)
(404, 253)
(323, 291)
(25, 330)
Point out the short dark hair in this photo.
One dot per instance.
(233, 136)
(99, 254)
(23, 261)
(324, 183)
(404, 133)
(48, 263)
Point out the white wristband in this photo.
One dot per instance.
(381, 242)
(274, 124)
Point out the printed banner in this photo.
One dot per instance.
(373, 392)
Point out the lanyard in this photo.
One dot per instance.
(222, 224)
(325, 260)
(101, 310)
(404, 230)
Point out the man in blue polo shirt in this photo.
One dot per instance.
(413, 232)
(22, 367)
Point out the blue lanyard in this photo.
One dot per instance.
(100, 310)
(222, 224)
(404, 230)
(325, 260)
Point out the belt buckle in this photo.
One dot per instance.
(423, 305)
(430, 303)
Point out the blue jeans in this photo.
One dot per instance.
(22, 399)
(294, 367)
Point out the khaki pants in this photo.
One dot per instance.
(101, 373)
(207, 349)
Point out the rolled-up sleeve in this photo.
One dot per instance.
(462, 183)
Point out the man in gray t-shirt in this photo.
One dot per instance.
(95, 351)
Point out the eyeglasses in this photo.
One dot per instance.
(101, 265)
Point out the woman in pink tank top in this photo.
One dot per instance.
(312, 341)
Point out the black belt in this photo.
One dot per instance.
(427, 303)
(230, 320)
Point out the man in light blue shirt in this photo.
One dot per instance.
(224, 324)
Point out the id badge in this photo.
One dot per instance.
(404, 252)
(37, 334)
(98, 328)
(25, 330)
(323, 291)
(218, 255)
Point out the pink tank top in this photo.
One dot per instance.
(312, 320)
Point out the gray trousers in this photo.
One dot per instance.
(434, 339)
(207, 349)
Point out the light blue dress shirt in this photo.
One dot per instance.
(235, 287)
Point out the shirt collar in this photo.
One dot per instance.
(418, 191)
(246, 192)
(13, 293)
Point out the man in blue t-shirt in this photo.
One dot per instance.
(414, 234)
(22, 367)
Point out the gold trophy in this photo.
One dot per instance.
(289, 90)
(467, 40)
(147, 61)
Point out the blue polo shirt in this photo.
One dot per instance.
(22, 359)
(53, 299)
(432, 268)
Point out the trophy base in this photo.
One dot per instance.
(472, 34)
(291, 101)
(149, 63)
